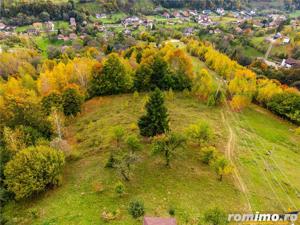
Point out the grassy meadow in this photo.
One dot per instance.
(188, 186)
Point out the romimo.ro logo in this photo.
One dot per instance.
(263, 217)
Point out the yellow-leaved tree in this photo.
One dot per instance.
(242, 87)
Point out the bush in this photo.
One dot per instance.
(32, 170)
(72, 101)
(208, 154)
(108, 216)
(171, 211)
(136, 209)
(215, 216)
(133, 143)
(111, 162)
(200, 132)
(120, 188)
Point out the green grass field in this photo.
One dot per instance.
(188, 186)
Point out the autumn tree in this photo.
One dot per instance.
(222, 167)
(32, 170)
(156, 119)
(200, 132)
(111, 78)
(203, 85)
(242, 87)
(167, 145)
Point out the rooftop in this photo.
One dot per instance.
(159, 221)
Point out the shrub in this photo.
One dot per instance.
(208, 154)
(33, 169)
(120, 188)
(110, 162)
(201, 132)
(136, 208)
(133, 143)
(72, 101)
(108, 216)
(171, 211)
(118, 135)
(215, 216)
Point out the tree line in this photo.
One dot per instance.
(245, 87)
(30, 12)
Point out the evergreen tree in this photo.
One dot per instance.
(156, 120)
(160, 72)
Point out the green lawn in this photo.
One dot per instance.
(188, 186)
(295, 14)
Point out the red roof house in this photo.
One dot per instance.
(159, 221)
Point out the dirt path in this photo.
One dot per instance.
(229, 155)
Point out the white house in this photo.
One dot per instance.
(220, 11)
(286, 40)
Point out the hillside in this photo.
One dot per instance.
(187, 185)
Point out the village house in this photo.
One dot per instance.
(188, 31)
(49, 26)
(277, 35)
(193, 12)
(33, 31)
(73, 22)
(220, 11)
(159, 221)
(204, 20)
(99, 27)
(127, 32)
(166, 15)
(72, 36)
(290, 63)
(185, 13)
(176, 14)
(2, 26)
(37, 26)
(132, 21)
(206, 12)
(235, 14)
(101, 16)
(286, 40)
(276, 19)
(148, 23)
(238, 30)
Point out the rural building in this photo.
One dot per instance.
(166, 15)
(49, 26)
(72, 22)
(2, 26)
(159, 221)
(290, 63)
(220, 11)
